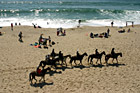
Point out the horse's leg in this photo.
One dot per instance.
(100, 61)
(117, 60)
(106, 59)
(33, 77)
(91, 61)
(81, 62)
(112, 60)
(97, 61)
(75, 62)
(43, 77)
(65, 63)
(40, 79)
(71, 62)
(62, 62)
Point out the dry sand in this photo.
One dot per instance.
(17, 60)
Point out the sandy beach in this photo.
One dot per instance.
(17, 60)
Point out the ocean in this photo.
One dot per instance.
(66, 13)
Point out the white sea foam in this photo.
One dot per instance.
(56, 23)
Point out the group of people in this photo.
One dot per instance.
(12, 25)
(35, 26)
(60, 30)
(43, 41)
(106, 34)
(123, 31)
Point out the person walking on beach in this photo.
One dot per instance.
(12, 26)
(20, 36)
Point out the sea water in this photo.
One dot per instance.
(66, 13)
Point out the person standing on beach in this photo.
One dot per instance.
(40, 39)
(108, 30)
(12, 26)
(112, 23)
(132, 24)
(79, 21)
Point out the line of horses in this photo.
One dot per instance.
(54, 59)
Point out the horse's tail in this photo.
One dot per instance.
(89, 58)
(106, 58)
(30, 76)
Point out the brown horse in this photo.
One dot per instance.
(42, 75)
(80, 58)
(97, 56)
(115, 56)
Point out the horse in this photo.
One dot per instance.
(115, 56)
(51, 62)
(42, 75)
(62, 59)
(80, 58)
(97, 56)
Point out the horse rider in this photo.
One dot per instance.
(53, 53)
(96, 52)
(60, 54)
(77, 53)
(39, 71)
(47, 57)
(112, 52)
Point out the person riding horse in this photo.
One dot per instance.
(113, 52)
(60, 54)
(39, 71)
(77, 53)
(96, 52)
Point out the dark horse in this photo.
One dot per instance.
(65, 58)
(51, 62)
(115, 56)
(80, 58)
(42, 75)
(97, 56)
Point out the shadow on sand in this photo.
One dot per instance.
(99, 65)
(41, 84)
(51, 72)
(116, 65)
(63, 68)
(81, 66)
